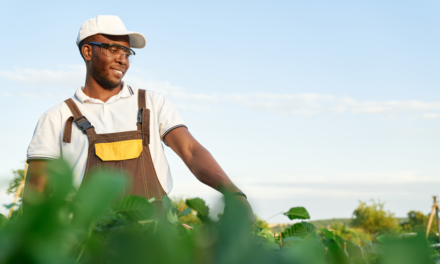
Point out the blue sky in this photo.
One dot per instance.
(312, 103)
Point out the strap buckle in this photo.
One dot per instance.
(83, 123)
(139, 119)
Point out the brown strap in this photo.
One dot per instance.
(145, 125)
(141, 105)
(141, 99)
(67, 136)
(76, 114)
(73, 108)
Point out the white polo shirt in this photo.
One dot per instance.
(118, 114)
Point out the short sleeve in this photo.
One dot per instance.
(46, 142)
(168, 117)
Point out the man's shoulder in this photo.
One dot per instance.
(150, 95)
(59, 110)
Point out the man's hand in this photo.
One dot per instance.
(36, 178)
(202, 164)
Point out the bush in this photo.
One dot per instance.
(186, 215)
(417, 222)
(260, 223)
(373, 219)
(355, 235)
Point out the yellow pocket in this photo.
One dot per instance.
(121, 150)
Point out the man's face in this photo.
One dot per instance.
(108, 71)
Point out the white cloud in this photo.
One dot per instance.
(69, 77)
(355, 185)
(339, 109)
(29, 95)
(312, 104)
(285, 104)
(431, 116)
(353, 178)
(286, 191)
(392, 106)
(305, 104)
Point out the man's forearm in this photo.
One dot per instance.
(36, 177)
(203, 165)
(198, 159)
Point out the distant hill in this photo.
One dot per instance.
(279, 227)
(327, 222)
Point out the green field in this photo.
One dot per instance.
(325, 223)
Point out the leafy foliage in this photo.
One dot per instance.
(3, 220)
(417, 221)
(298, 230)
(185, 214)
(101, 226)
(200, 206)
(374, 219)
(13, 188)
(15, 182)
(134, 207)
(260, 223)
(297, 213)
(9, 206)
(328, 223)
(355, 235)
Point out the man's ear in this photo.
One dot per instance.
(86, 51)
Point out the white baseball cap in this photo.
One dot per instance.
(109, 25)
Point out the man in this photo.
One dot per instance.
(110, 124)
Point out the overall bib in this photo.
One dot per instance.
(126, 152)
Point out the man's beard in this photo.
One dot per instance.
(101, 78)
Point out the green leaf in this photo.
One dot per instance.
(336, 255)
(3, 220)
(293, 239)
(134, 207)
(371, 248)
(328, 234)
(186, 212)
(200, 207)
(167, 203)
(15, 182)
(297, 213)
(354, 251)
(172, 218)
(267, 234)
(9, 206)
(59, 180)
(340, 240)
(382, 238)
(96, 195)
(309, 227)
(298, 229)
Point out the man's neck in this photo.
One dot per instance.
(93, 90)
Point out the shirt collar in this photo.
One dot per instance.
(126, 91)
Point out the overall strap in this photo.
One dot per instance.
(77, 118)
(143, 119)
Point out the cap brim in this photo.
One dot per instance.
(137, 40)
